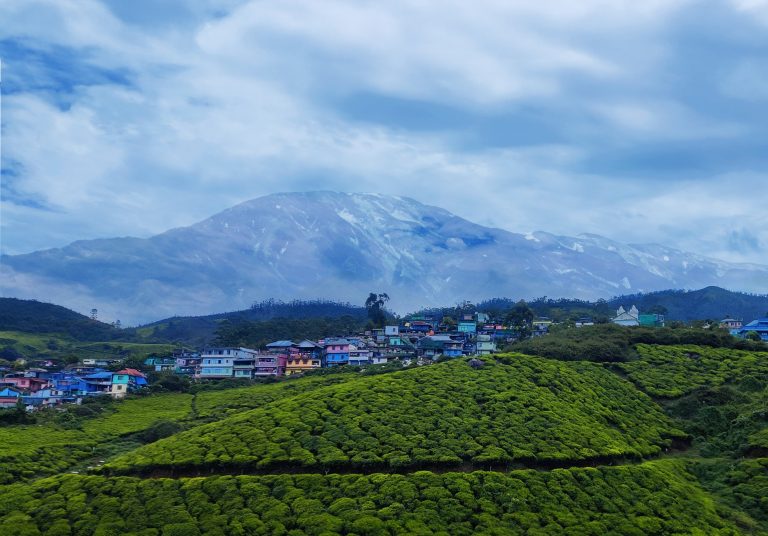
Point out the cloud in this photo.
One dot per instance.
(131, 118)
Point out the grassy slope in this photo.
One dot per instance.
(672, 371)
(529, 409)
(652, 498)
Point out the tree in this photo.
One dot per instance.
(375, 306)
(520, 319)
(752, 336)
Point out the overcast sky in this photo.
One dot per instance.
(644, 121)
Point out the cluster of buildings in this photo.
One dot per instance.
(737, 328)
(421, 337)
(633, 317)
(38, 387)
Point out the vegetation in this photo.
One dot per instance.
(32, 316)
(680, 305)
(201, 330)
(609, 342)
(52, 447)
(652, 498)
(528, 409)
(672, 371)
(259, 334)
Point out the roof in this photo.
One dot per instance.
(9, 392)
(280, 344)
(308, 344)
(130, 372)
(98, 376)
(330, 341)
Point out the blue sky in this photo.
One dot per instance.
(640, 121)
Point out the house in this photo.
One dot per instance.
(269, 365)
(219, 362)
(336, 352)
(540, 326)
(95, 384)
(584, 321)
(436, 345)
(626, 318)
(732, 325)
(161, 364)
(467, 326)
(485, 345)
(651, 320)
(126, 381)
(759, 326)
(24, 383)
(306, 355)
(187, 362)
(9, 397)
(359, 356)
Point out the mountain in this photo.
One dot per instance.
(343, 246)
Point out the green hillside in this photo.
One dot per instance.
(524, 445)
(524, 409)
(652, 498)
(32, 316)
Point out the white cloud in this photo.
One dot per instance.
(239, 107)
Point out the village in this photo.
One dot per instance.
(417, 339)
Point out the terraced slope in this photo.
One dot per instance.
(651, 498)
(672, 371)
(529, 410)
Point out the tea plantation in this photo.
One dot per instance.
(523, 408)
(672, 442)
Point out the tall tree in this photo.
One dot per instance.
(375, 306)
(520, 319)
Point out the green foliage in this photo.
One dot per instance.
(219, 403)
(609, 342)
(258, 334)
(32, 316)
(672, 371)
(201, 330)
(652, 498)
(31, 450)
(529, 409)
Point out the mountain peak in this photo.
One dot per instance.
(342, 246)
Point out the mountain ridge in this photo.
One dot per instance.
(340, 246)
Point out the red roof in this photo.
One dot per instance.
(131, 372)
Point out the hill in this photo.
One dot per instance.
(30, 316)
(343, 246)
(521, 410)
(711, 302)
(276, 319)
(671, 442)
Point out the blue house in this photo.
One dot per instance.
(759, 326)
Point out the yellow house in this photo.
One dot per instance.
(303, 357)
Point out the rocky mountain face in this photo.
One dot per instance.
(343, 246)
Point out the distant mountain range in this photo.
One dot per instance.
(341, 247)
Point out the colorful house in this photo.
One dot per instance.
(126, 381)
(9, 397)
(306, 355)
(759, 326)
(336, 352)
(161, 364)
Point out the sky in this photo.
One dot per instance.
(640, 121)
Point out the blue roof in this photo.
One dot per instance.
(9, 392)
(98, 376)
(280, 344)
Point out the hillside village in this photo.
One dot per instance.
(418, 339)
